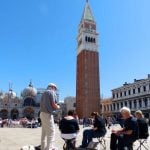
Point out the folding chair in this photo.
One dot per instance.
(142, 144)
(102, 142)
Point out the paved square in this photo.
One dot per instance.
(15, 138)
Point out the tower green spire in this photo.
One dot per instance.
(87, 14)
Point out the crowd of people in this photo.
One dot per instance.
(132, 128)
(21, 122)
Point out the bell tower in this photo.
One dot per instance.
(87, 82)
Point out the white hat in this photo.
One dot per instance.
(52, 85)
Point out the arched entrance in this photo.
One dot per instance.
(14, 114)
(29, 101)
(28, 112)
(4, 114)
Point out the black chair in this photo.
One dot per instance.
(69, 144)
(129, 147)
(102, 142)
(143, 134)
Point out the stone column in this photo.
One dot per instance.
(115, 106)
(148, 102)
(137, 104)
(128, 104)
(133, 105)
(142, 101)
(119, 105)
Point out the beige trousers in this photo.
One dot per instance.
(48, 131)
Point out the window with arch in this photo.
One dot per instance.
(120, 94)
(118, 106)
(114, 106)
(129, 92)
(140, 103)
(139, 90)
(135, 103)
(111, 107)
(94, 40)
(113, 95)
(86, 38)
(144, 88)
(91, 40)
(121, 104)
(117, 95)
(145, 102)
(124, 93)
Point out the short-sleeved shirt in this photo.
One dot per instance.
(47, 99)
(131, 124)
(99, 123)
(68, 126)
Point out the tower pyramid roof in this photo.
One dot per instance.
(87, 14)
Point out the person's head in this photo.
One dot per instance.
(125, 112)
(94, 114)
(52, 86)
(71, 113)
(138, 114)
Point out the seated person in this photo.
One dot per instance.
(69, 126)
(127, 135)
(142, 125)
(98, 130)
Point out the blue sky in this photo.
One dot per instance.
(38, 42)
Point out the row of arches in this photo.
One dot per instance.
(14, 113)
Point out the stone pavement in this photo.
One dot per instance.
(15, 138)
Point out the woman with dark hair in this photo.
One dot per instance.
(98, 130)
(69, 126)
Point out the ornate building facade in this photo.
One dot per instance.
(15, 107)
(134, 95)
(87, 83)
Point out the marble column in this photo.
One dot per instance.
(148, 102)
(128, 105)
(132, 104)
(119, 105)
(137, 104)
(143, 104)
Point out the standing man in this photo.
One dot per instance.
(47, 106)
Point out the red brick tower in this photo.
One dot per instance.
(87, 83)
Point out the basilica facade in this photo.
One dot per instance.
(27, 105)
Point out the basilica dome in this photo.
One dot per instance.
(29, 91)
(10, 94)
